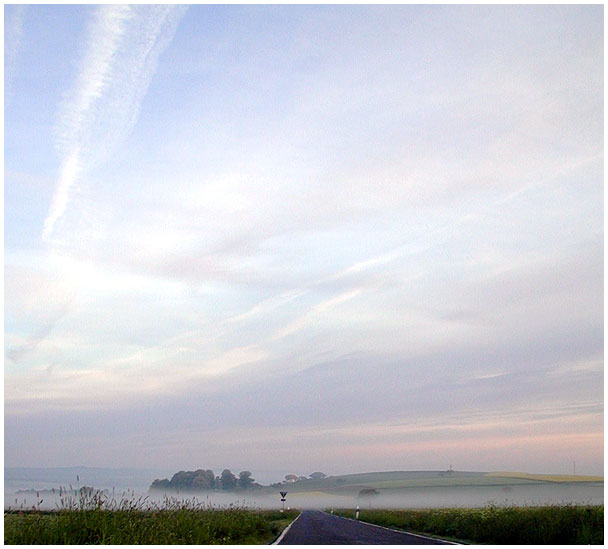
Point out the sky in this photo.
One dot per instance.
(304, 238)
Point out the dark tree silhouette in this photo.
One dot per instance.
(245, 480)
(317, 475)
(228, 480)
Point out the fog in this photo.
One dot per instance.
(420, 497)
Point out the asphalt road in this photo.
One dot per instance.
(318, 528)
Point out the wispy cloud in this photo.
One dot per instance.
(119, 60)
(36, 302)
(12, 45)
(304, 219)
(17, 352)
(70, 168)
(322, 307)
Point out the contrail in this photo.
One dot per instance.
(13, 34)
(119, 60)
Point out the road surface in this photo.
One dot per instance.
(318, 528)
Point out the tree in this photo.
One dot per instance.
(228, 480)
(183, 479)
(160, 484)
(367, 494)
(291, 478)
(317, 475)
(245, 480)
(204, 480)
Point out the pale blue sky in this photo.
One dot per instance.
(335, 238)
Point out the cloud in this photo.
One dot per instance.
(36, 301)
(302, 321)
(13, 35)
(346, 221)
(70, 168)
(17, 352)
(362, 402)
(120, 58)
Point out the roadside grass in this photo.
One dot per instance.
(555, 524)
(176, 522)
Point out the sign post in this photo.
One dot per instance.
(283, 494)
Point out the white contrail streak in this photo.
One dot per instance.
(13, 34)
(119, 60)
(105, 33)
(68, 174)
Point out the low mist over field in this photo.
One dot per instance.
(288, 239)
(397, 489)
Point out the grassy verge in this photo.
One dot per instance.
(558, 524)
(149, 527)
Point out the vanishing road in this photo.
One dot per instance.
(318, 528)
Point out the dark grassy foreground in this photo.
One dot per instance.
(563, 524)
(150, 527)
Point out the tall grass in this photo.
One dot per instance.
(93, 519)
(555, 524)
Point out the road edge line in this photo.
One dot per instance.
(447, 542)
(284, 532)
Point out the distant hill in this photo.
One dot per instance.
(348, 484)
(548, 478)
(399, 480)
(40, 477)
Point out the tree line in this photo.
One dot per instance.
(205, 479)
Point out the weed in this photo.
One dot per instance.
(554, 524)
(91, 517)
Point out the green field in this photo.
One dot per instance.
(150, 527)
(463, 505)
(393, 480)
(546, 478)
(563, 524)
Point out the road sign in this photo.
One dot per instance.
(283, 494)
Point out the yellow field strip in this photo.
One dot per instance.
(547, 478)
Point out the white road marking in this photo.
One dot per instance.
(398, 531)
(280, 538)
